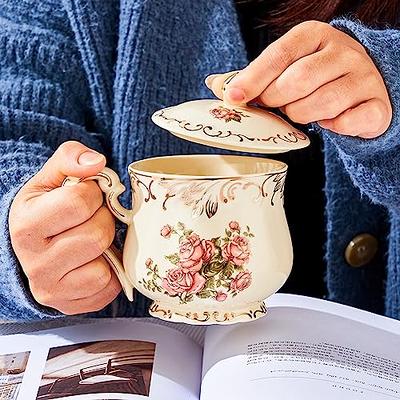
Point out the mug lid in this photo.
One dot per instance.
(242, 128)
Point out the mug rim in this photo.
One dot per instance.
(280, 167)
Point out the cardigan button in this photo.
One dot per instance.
(361, 250)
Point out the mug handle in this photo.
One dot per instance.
(112, 187)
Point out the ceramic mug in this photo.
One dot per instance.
(207, 236)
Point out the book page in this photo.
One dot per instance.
(195, 332)
(304, 349)
(104, 360)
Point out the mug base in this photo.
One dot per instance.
(208, 317)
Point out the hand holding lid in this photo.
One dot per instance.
(241, 127)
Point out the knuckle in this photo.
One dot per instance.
(330, 101)
(310, 25)
(343, 124)
(280, 92)
(301, 74)
(278, 56)
(106, 224)
(371, 80)
(37, 274)
(109, 227)
(313, 27)
(357, 59)
(34, 273)
(90, 189)
(377, 116)
(20, 230)
(354, 57)
(99, 239)
(68, 309)
(101, 274)
(68, 146)
(19, 225)
(335, 52)
(302, 119)
(296, 115)
(79, 203)
(348, 53)
(272, 97)
(44, 296)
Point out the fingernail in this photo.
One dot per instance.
(235, 94)
(208, 81)
(90, 158)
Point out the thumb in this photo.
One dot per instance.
(70, 159)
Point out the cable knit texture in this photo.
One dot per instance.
(95, 71)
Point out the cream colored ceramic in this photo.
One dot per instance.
(243, 128)
(207, 237)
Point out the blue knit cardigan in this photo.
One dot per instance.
(94, 71)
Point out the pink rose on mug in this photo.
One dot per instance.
(178, 281)
(234, 226)
(209, 250)
(221, 296)
(191, 253)
(237, 250)
(241, 281)
(166, 231)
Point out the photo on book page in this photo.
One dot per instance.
(102, 367)
(12, 370)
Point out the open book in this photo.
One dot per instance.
(303, 349)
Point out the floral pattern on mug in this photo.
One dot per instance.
(191, 253)
(236, 250)
(166, 231)
(221, 296)
(241, 282)
(234, 226)
(205, 268)
(149, 262)
(178, 281)
(227, 114)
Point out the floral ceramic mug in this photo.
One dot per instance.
(207, 237)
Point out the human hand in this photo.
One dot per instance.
(59, 233)
(315, 73)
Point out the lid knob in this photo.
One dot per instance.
(224, 89)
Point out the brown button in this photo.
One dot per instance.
(361, 250)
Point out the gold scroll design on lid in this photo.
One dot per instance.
(204, 196)
(289, 137)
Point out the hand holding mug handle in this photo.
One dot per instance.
(112, 187)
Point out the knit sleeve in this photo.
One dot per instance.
(43, 102)
(374, 164)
